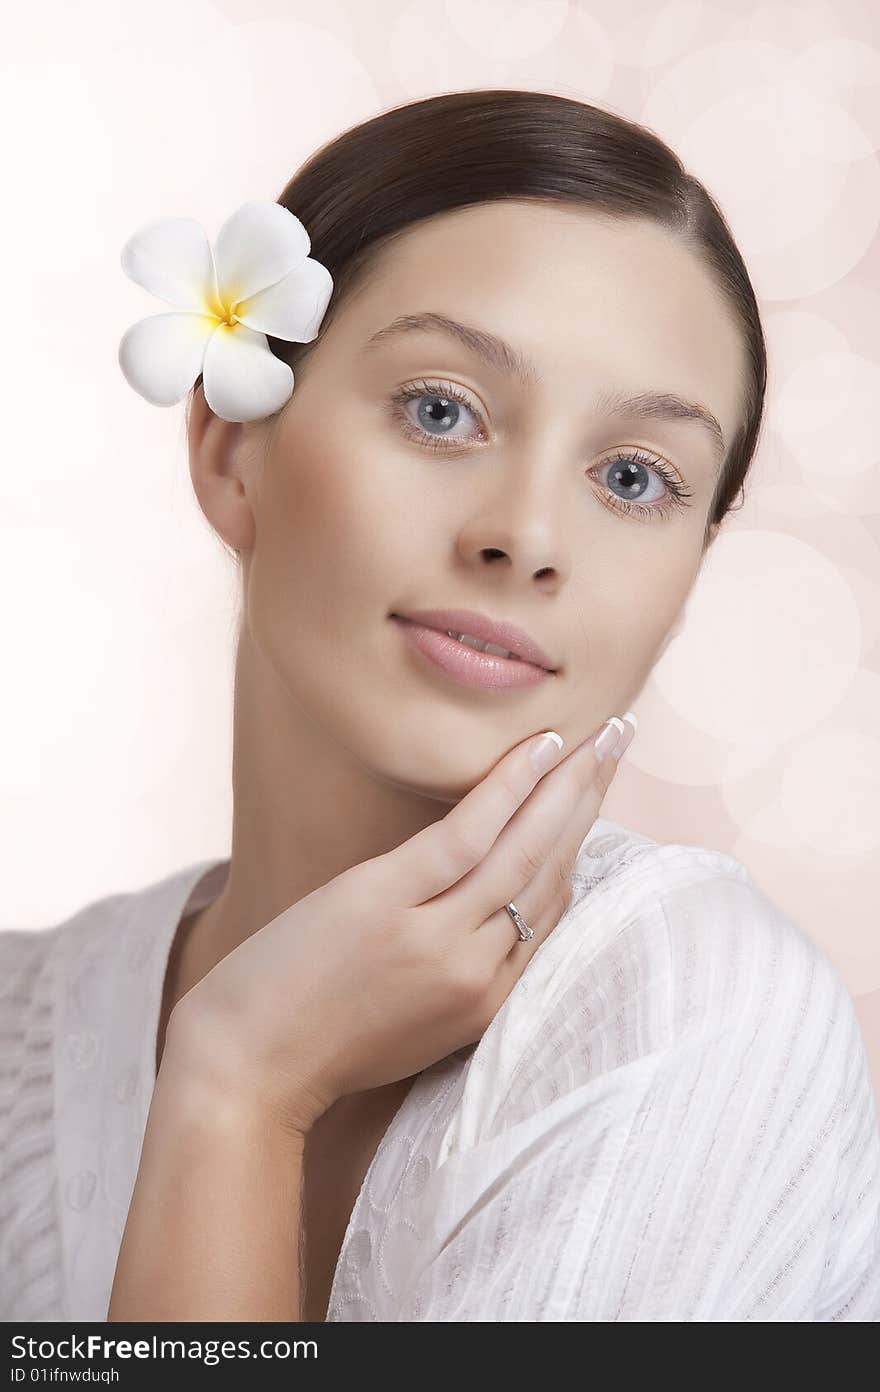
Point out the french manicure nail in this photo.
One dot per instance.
(608, 736)
(546, 751)
(631, 724)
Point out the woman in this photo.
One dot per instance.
(535, 395)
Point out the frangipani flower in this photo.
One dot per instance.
(259, 280)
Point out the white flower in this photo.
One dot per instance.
(259, 280)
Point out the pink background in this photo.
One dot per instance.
(759, 728)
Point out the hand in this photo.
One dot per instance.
(403, 958)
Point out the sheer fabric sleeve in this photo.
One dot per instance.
(30, 1252)
(690, 1135)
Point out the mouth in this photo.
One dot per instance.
(467, 659)
(500, 639)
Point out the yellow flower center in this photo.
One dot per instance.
(225, 314)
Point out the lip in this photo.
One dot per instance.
(500, 632)
(466, 665)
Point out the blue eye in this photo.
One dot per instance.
(442, 407)
(627, 469)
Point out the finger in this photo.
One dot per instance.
(557, 869)
(496, 956)
(438, 856)
(528, 840)
(468, 918)
(544, 899)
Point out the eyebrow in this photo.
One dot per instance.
(643, 405)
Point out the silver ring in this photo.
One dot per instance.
(525, 932)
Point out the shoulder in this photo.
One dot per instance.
(669, 955)
(721, 946)
(679, 1032)
(30, 957)
(30, 1257)
(39, 967)
(26, 977)
(55, 982)
(85, 962)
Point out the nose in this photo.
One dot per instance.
(495, 553)
(515, 518)
(525, 540)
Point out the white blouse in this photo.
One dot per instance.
(671, 1117)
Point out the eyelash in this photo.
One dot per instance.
(676, 495)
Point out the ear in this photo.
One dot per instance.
(224, 465)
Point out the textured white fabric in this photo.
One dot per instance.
(670, 1118)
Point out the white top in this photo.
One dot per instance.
(671, 1116)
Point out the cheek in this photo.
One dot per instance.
(633, 616)
(663, 617)
(329, 541)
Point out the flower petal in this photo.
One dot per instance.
(243, 379)
(255, 247)
(292, 309)
(162, 356)
(172, 259)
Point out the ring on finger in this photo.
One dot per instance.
(522, 928)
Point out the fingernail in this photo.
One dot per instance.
(631, 724)
(608, 736)
(545, 751)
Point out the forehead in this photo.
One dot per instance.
(596, 302)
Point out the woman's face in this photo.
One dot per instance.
(525, 500)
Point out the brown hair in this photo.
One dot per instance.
(460, 148)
